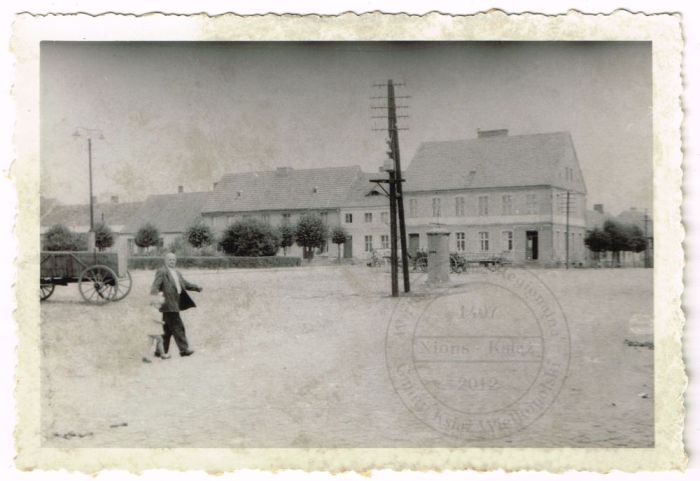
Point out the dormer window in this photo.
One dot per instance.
(238, 193)
(315, 190)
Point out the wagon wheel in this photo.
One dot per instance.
(123, 287)
(46, 291)
(98, 284)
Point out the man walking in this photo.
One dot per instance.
(173, 286)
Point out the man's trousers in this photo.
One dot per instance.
(173, 327)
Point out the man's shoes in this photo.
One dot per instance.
(156, 354)
(165, 356)
(189, 352)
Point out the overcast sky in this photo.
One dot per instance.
(186, 113)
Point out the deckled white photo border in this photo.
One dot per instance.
(663, 30)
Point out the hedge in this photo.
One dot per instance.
(221, 262)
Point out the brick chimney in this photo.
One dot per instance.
(180, 189)
(484, 134)
(598, 208)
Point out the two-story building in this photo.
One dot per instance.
(500, 194)
(497, 194)
(281, 196)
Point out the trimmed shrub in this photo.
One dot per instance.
(219, 262)
(61, 238)
(199, 235)
(147, 236)
(310, 232)
(338, 236)
(286, 233)
(250, 238)
(104, 237)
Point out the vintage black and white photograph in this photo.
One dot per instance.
(346, 244)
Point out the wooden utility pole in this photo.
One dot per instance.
(392, 227)
(396, 155)
(395, 194)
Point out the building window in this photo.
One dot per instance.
(507, 204)
(412, 207)
(368, 217)
(348, 218)
(266, 218)
(484, 241)
(483, 205)
(531, 203)
(436, 206)
(324, 217)
(507, 240)
(461, 241)
(368, 243)
(459, 206)
(230, 219)
(286, 219)
(385, 217)
(385, 241)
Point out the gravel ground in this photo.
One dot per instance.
(296, 358)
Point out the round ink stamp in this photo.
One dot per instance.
(482, 358)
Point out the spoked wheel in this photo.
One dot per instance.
(46, 291)
(123, 287)
(98, 284)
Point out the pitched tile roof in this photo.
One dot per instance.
(495, 161)
(78, 215)
(283, 189)
(358, 195)
(170, 213)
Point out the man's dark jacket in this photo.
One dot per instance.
(173, 302)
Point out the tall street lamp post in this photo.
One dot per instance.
(88, 132)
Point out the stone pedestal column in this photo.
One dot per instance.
(438, 256)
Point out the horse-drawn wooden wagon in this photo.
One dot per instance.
(101, 276)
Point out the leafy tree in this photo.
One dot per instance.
(338, 236)
(60, 238)
(147, 236)
(597, 240)
(250, 238)
(636, 242)
(310, 232)
(286, 233)
(104, 237)
(616, 237)
(199, 234)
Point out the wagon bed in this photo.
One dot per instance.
(101, 276)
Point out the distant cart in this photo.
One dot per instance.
(101, 276)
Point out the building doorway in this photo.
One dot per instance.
(413, 244)
(347, 247)
(531, 246)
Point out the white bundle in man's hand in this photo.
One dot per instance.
(157, 300)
